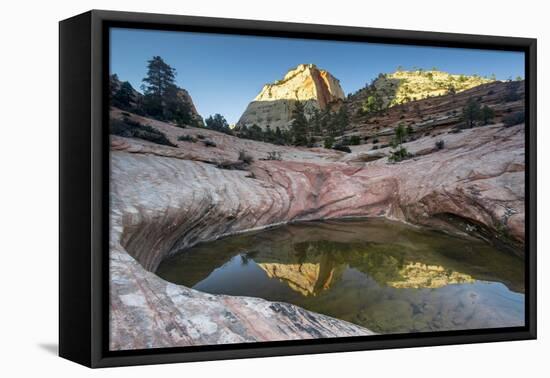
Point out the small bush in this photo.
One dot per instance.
(375, 141)
(399, 154)
(340, 147)
(209, 143)
(354, 140)
(133, 129)
(274, 155)
(514, 119)
(200, 136)
(245, 157)
(187, 138)
(440, 144)
(374, 147)
(232, 165)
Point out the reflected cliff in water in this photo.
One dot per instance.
(386, 276)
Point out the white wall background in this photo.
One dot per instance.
(29, 189)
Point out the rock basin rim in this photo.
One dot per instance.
(166, 199)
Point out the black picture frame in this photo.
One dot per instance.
(83, 181)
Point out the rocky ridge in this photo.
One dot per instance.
(404, 86)
(135, 99)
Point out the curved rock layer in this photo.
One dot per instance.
(164, 199)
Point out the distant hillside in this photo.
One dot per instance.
(401, 87)
(432, 116)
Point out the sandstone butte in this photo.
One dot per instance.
(164, 199)
(306, 83)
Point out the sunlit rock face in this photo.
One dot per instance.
(321, 272)
(273, 106)
(401, 87)
(417, 275)
(306, 278)
(313, 278)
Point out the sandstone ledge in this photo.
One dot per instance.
(165, 199)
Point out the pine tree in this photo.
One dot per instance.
(299, 125)
(487, 114)
(399, 152)
(373, 104)
(342, 119)
(471, 112)
(124, 95)
(159, 87)
(316, 121)
(400, 133)
(218, 123)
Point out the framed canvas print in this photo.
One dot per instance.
(234, 188)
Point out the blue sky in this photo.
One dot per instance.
(223, 73)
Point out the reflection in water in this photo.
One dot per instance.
(386, 276)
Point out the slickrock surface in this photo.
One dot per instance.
(148, 312)
(273, 106)
(164, 199)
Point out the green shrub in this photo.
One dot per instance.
(218, 123)
(340, 147)
(187, 138)
(245, 157)
(200, 136)
(232, 165)
(132, 129)
(209, 143)
(399, 154)
(514, 119)
(329, 142)
(274, 155)
(440, 144)
(354, 140)
(487, 114)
